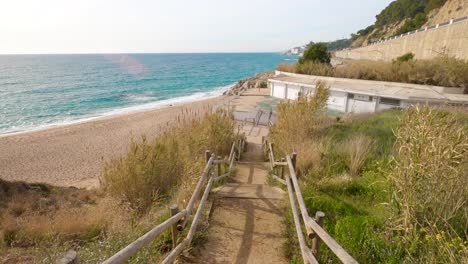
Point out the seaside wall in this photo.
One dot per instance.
(450, 38)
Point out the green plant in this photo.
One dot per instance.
(406, 57)
(317, 52)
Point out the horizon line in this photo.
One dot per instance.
(123, 53)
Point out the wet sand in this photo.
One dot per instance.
(73, 155)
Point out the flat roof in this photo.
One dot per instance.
(375, 88)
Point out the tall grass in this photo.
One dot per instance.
(430, 172)
(440, 71)
(153, 168)
(357, 150)
(300, 119)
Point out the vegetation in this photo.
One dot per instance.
(390, 210)
(339, 44)
(38, 222)
(413, 12)
(406, 57)
(317, 53)
(441, 71)
(151, 170)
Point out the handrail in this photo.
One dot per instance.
(130, 250)
(312, 226)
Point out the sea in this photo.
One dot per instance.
(41, 91)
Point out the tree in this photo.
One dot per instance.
(316, 53)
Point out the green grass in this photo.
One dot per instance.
(359, 213)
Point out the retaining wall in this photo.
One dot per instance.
(450, 38)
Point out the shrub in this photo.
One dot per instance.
(263, 84)
(430, 172)
(316, 53)
(151, 169)
(406, 57)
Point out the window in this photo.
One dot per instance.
(389, 101)
(360, 97)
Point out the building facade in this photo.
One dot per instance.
(361, 96)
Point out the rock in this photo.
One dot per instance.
(71, 257)
(249, 83)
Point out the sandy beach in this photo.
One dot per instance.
(73, 155)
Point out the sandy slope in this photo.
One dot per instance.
(73, 155)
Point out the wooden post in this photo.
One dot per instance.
(174, 210)
(219, 166)
(294, 159)
(282, 168)
(316, 240)
(207, 155)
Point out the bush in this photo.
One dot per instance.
(152, 169)
(406, 57)
(263, 84)
(317, 53)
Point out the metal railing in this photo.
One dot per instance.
(179, 219)
(313, 226)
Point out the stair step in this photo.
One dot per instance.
(249, 191)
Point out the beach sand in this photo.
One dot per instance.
(73, 155)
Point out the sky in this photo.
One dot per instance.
(157, 26)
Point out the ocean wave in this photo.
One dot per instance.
(46, 124)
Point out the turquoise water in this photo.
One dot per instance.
(38, 91)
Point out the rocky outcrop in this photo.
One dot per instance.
(451, 9)
(258, 81)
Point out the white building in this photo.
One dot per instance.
(361, 96)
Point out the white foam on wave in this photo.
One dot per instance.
(218, 91)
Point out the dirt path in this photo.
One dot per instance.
(246, 220)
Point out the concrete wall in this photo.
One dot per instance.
(451, 39)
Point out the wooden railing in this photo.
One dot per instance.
(180, 218)
(313, 226)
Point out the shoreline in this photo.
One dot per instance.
(116, 112)
(73, 154)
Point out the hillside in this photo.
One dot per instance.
(399, 17)
(451, 9)
(403, 16)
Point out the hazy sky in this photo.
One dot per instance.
(124, 26)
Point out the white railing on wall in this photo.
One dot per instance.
(424, 29)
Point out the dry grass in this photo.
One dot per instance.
(32, 215)
(441, 71)
(357, 151)
(430, 173)
(298, 126)
(152, 169)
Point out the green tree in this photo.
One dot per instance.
(316, 53)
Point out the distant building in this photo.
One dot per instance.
(362, 96)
